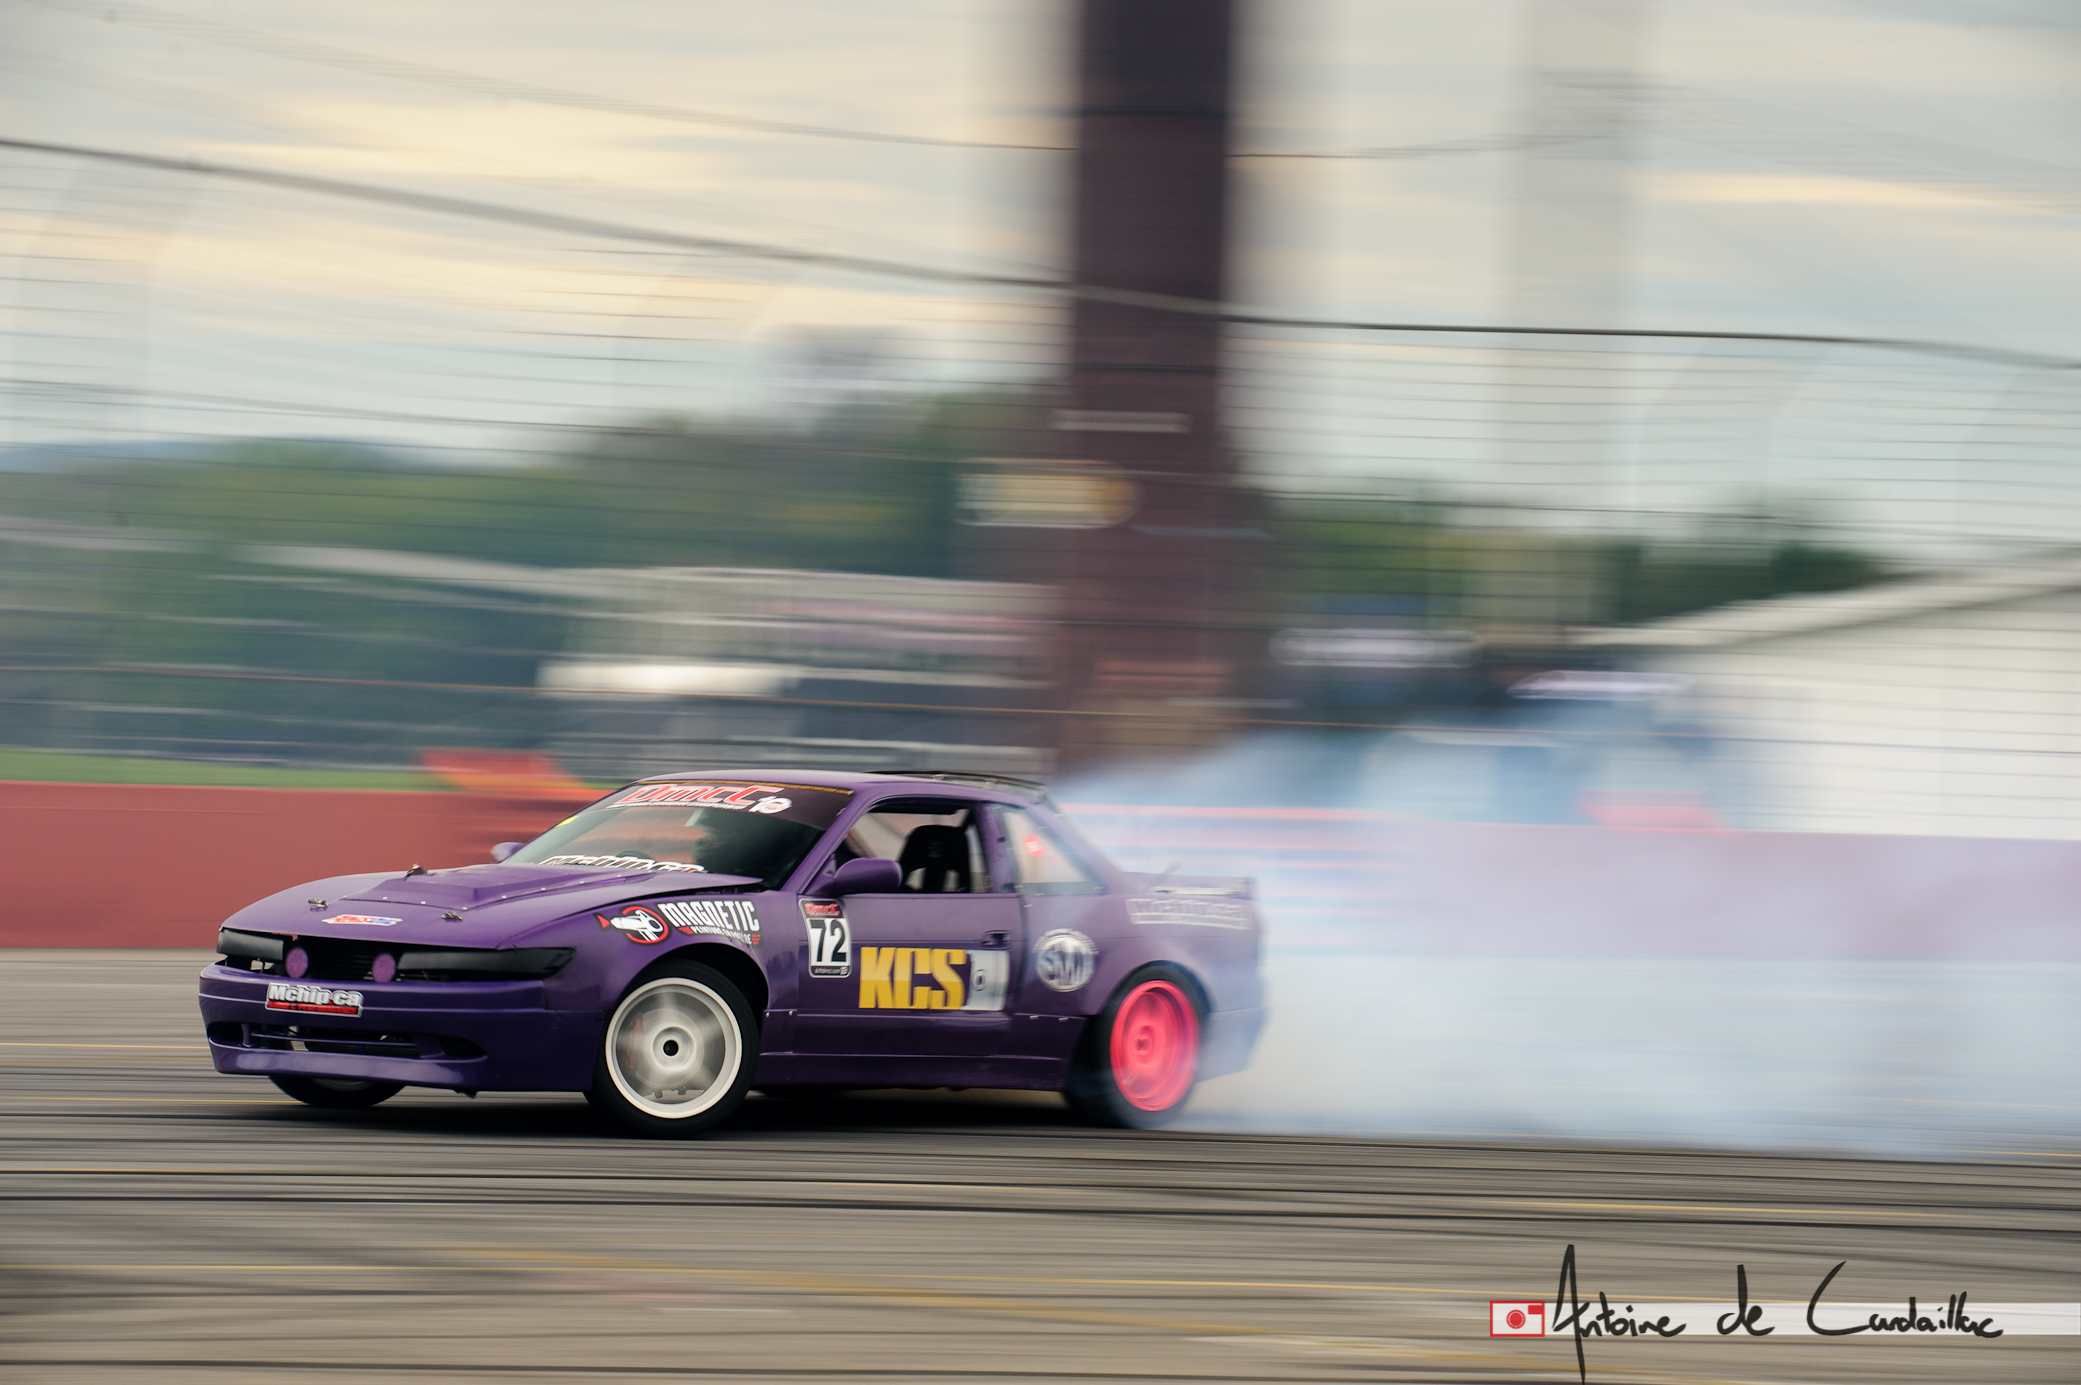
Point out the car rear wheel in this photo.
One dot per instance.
(338, 1093)
(677, 1054)
(1138, 1061)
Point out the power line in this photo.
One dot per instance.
(427, 74)
(472, 209)
(131, 87)
(1701, 116)
(480, 84)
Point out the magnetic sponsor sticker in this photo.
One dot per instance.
(362, 920)
(312, 1000)
(1188, 912)
(1064, 959)
(733, 918)
(830, 940)
(933, 978)
(637, 924)
(619, 863)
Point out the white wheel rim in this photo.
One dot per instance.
(673, 1048)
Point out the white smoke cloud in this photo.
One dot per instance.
(1386, 1020)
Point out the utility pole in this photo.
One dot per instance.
(1573, 216)
(1569, 264)
(1150, 599)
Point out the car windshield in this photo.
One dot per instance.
(721, 827)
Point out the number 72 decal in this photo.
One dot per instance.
(830, 941)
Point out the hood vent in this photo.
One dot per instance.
(469, 886)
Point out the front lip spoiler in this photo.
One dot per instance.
(526, 1046)
(413, 1072)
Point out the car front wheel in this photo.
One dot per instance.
(1139, 1059)
(677, 1054)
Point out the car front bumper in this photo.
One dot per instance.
(490, 1036)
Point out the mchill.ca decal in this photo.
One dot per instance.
(1187, 911)
(312, 1000)
(619, 863)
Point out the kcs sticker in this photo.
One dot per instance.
(931, 978)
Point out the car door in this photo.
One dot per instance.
(1067, 919)
(925, 972)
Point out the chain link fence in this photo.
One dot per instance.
(307, 473)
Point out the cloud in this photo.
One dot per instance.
(1347, 239)
(475, 139)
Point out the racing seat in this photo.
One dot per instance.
(942, 854)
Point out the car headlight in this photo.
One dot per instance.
(406, 964)
(254, 947)
(481, 963)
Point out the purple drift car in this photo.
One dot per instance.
(692, 936)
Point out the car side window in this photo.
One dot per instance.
(1041, 865)
(938, 844)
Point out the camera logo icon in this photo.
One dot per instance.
(1516, 1318)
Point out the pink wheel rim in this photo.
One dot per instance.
(1155, 1046)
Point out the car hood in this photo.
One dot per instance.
(469, 906)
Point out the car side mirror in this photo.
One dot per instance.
(505, 849)
(865, 875)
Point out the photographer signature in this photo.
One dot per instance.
(1573, 1315)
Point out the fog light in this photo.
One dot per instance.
(385, 968)
(297, 962)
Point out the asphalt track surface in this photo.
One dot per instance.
(163, 1223)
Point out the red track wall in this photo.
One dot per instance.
(97, 865)
(119, 865)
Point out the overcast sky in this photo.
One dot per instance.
(1824, 166)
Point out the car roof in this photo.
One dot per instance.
(865, 779)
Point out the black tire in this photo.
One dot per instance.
(338, 1093)
(1095, 1089)
(678, 1022)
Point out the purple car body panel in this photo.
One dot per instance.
(990, 984)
